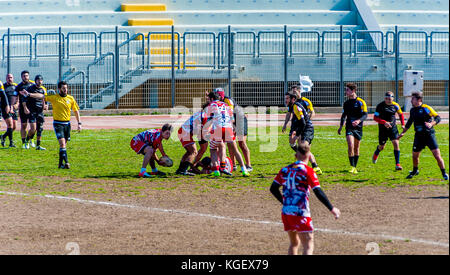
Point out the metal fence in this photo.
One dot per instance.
(120, 69)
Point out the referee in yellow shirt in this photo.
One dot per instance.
(62, 104)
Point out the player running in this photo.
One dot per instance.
(297, 180)
(308, 107)
(354, 114)
(240, 128)
(387, 127)
(190, 128)
(11, 116)
(219, 130)
(34, 110)
(424, 119)
(147, 143)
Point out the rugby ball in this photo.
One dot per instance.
(166, 161)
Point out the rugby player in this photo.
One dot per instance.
(387, 127)
(240, 128)
(192, 126)
(147, 143)
(4, 104)
(62, 104)
(22, 87)
(308, 106)
(297, 180)
(219, 130)
(34, 109)
(424, 119)
(353, 115)
(11, 116)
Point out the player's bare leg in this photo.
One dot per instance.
(242, 141)
(23, 134)
(294, 245)
(239, 158)
(440, 161)
(148, 153)
(307, 240)
(187, 159)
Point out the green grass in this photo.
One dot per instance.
(106, 155)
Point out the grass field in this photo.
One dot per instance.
(105, 154)
(44, 208)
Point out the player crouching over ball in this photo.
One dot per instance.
(147, 143)
(297, 179)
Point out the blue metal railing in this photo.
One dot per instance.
(368, 42)
(26, 41)
(417, 39)
(203, 40)
(51, 41)
(159, 38)
(83, 47)
(295, 39)
(439, 43)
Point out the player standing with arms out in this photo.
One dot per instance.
(219, 130)
(34, 109)
(240, 128)
(308, 106)
(297, 180)
(387, 127)
(424, 119)
(192, 126)
(11, 117)
(353, 115)
(147, 143)
(62, 104)
(22, 87)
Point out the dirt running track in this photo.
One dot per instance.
(178, 219)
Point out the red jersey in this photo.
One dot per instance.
(297, 180)
(152, 137)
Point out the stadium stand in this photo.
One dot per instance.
(201, 40)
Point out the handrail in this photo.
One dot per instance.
(380, 50)
(214, 49)
(258, 37)
(30, 55)
(292, 53)
(177, 34)
(83, 77)
(94, 34)
(100, 39)
(431, 41)
(411, 32)
(95, 62)
(36, 44)
(343, 32)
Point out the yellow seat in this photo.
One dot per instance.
(151, 22)
(143, 7)
(164, 51)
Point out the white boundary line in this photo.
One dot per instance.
(182, 212)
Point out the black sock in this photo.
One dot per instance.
(443, 171)
(63, 156)
(397, 156)
(23, 140)
(377, 151)
(313, 164)
(10, 134)
(415, 169)
(356, 160)
(38, 142)
(352, 161)
(182, 167)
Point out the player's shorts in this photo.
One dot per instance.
(357, 133)
(424, 140)
(297, 223)
(138, 146)
(62, 130)
(384, 134)
(14, 115)
(241, 126)
(222, 134)
(4, 114)
(23, 117)
(185, 137)
(308, 135)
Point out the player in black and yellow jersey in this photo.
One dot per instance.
(4, 104)
(34, 109)
(62, 104)
(25, 84)
(387, 127)
(424, 119)
(11, 117)
(353, 115)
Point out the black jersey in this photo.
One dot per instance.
(354, 109)
(11, 93)
(420, 115)
(35, 105)
(387, 113)
(20, 87)
(3, 98)
(300, 119)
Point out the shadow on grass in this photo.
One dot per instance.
(354, 180)
(428, 198)
(119, 175)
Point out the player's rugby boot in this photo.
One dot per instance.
(3, 140)
(145, 175)
(445, 176)
(412, 174)
(374, 158)
(398, 167)
(158, 173)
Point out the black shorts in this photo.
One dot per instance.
(14, 115)
(384, 134)
(36, 117)
(308, 135)
(355, 132)
(62, 130)
(5, 115)
(422, 140)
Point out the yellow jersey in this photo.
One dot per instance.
(62, 106)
